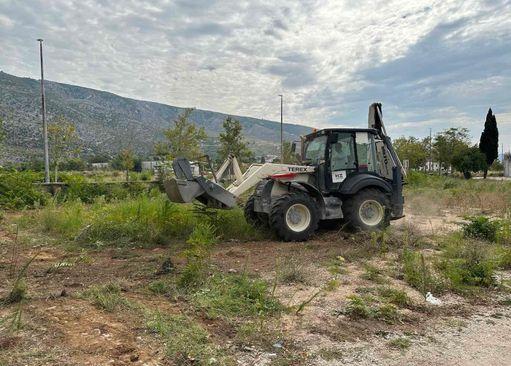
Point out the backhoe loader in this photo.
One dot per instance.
(351, 175)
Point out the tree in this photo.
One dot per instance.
(450, 143)
(233, 142)
(413, 150)
(126, 161)
(290, 157)
(185, 138)
(489, 142)
(63, 142)
(469, 160)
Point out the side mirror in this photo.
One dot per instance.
(293, 147)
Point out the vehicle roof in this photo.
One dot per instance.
(346, 129)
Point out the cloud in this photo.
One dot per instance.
(434, 64)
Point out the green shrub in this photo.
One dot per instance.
(358, 308)
(197, 254)
(467, 264)
(481, 227)
(18, 190)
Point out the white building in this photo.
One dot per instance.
(100, 166)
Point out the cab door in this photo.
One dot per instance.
(341, 159)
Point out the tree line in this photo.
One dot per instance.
(452, 148)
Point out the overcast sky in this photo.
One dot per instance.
(433, 64)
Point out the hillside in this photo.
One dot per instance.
(107, 122)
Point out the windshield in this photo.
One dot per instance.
(315, 149)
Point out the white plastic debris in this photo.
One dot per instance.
(432, 300)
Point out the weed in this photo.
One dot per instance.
(107, 297)
(307, 301)
(258, 332)
(18, 292)
(235, 295)
(395, 296)
(373, 273)
(292, 271)
(387, 312)
(332, 285)
(418, 273)
(187, 342)
(401, 343)
(358, 308)
(337, 265)
(330, 354)
(365, 307)
(159, 287)
(197, 255)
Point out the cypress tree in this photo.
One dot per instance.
(489, 142)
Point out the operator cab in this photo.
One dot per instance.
(341, 153)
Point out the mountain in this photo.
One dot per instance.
(107, 122)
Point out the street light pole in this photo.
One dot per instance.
(43, 112)
(281, 128)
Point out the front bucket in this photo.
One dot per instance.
(201, 189)
(182, 191)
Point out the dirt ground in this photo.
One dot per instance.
(61, 328)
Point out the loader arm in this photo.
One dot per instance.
(186, 187)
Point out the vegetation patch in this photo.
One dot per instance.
(107, 297)
(367, 307)
(186, 341)
(401, 343)
(235, 295)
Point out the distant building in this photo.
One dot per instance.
(507, 165)
(100, 166)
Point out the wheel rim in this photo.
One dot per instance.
(371, 212)
(298, 217)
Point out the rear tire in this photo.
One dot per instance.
(255, 219)
(367, 210)
(294, 216)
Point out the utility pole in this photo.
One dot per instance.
(430, 152)
(43, 112)
(281, 128)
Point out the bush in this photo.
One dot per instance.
(18, 190)
(481, 227)
(467, 264)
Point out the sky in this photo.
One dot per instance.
(433, 64)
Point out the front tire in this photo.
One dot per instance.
(367, 210)
(256, 219)
(294, 216)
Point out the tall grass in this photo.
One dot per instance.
(429, 194)
(142, 220)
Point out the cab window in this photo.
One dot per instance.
(315, 149)
(342, 153)
(366, 152)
